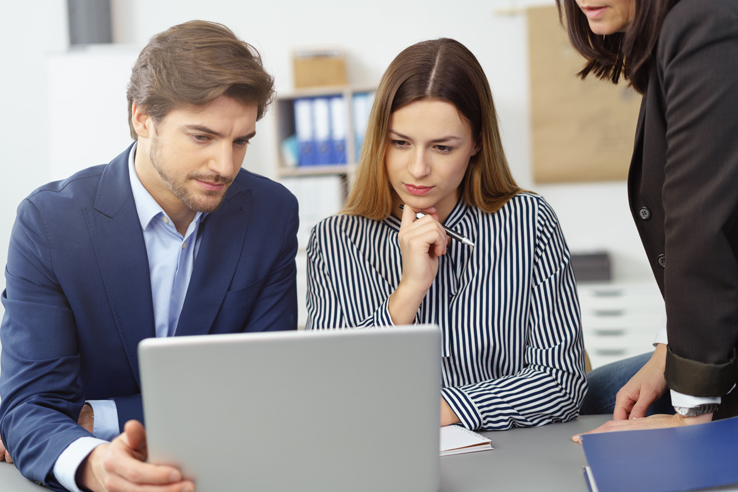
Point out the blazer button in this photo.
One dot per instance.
(662, 261)
(645, 213)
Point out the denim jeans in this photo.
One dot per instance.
(605, 382)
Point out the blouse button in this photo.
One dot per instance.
(645, 213)
(662, 261)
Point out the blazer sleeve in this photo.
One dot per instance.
(41, 395)
(552, 384)
(696, 65)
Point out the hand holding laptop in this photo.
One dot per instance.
(121, 465)
(4, 455)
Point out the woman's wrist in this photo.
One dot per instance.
(404, 303)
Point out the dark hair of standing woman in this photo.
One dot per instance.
(626, 54)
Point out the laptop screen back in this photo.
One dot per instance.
(316, 411)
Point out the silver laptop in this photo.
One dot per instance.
(323, 411)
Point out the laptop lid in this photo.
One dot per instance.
(320, 411)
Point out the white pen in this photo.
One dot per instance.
(452, 233)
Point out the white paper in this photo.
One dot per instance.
(458, 440)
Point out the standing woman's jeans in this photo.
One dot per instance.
(605, 382)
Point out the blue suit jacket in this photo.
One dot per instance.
(78, 298)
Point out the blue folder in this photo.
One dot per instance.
(322, 130)
(305, 132)
(663, 460)
(338, 130)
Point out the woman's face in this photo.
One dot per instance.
(608, 16)
(428, 150)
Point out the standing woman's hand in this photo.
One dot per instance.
(422, 241)
(644, 388)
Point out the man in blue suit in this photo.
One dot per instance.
(171, 238)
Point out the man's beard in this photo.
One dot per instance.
(179, 190)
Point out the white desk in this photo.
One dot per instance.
(542, 458)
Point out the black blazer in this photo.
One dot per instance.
(683, 192)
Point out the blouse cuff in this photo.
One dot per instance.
(662, 336)
(682, 400)
(463, 407)
(382, 315)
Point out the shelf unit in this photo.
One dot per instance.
(619, 319)
(285, 122)
(285, 127)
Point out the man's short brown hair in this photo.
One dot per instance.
(194, 63)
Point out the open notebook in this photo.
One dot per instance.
(458, 440)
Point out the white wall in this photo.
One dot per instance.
(28, 31)
(33, 32)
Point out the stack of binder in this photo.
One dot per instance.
(321, 127)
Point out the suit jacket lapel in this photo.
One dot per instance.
(634, 173)
(223, 236)
(121, 255)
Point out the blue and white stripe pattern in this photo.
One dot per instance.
(513, 354)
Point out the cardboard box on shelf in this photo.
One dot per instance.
(315, 68)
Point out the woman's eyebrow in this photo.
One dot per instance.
(435, 140)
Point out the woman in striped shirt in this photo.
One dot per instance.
(507, 307)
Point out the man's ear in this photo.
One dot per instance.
(142, 122)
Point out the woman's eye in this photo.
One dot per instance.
(399, 143)
(444, 149)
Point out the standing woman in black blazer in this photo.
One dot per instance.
(682, 55)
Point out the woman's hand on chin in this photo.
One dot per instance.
(422, 241)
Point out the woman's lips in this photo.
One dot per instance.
(593, 12)
(417, 190)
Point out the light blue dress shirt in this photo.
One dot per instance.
(171, 261)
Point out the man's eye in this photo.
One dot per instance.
(201, 138)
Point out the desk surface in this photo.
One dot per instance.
(542, 458)
(539, 458)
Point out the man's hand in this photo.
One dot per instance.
(121, 466)
(658, 421)
(647, 386)
(4, 455)
(86, 418)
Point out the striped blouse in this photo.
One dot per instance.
(513, 354)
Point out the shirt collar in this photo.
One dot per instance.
(146, 206)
